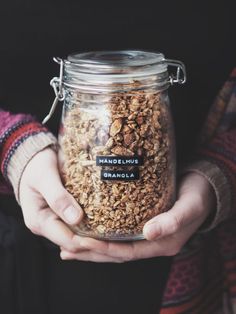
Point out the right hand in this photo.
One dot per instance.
(47, 207)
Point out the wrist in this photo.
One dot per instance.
(205, 195)
(219, 192)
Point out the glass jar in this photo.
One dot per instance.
(116, 139)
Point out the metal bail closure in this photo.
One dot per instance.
(180, 77)
(56, 84)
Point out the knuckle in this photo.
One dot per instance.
(128, 257)
(33, 226)
(60, 201)
(71, 247)
(174, 224)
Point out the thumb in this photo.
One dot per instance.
(64, 205)
(59, 199)
(162, 225)
(181, 214)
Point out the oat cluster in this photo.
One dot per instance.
(134, 124)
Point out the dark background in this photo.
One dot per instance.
(200, 33)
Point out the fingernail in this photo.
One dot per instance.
(151, 231)
(71, 214)
(64, 255)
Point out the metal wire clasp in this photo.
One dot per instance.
(57, 86)
(180, 76)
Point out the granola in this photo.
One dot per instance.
(126, 125)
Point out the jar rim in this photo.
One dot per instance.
(117, 62)
(115, 70)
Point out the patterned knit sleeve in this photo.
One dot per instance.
(221, 153)
(214, 165)
(216, 152)
(21, 137)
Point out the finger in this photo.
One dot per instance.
(133, 250)
(47, 224)
(41, 220)
(89, 256)
(126, 251)
(52, 228)
(58, 198)
(184, 212)
(164, 246)
(112, 249)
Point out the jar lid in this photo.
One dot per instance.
(114, 71)
(122, 62)
(120, 70)
(116, 64)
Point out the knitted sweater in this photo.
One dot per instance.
(21, 137)
(209, 259)
(202, 278)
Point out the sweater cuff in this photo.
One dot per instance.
(20, 152)
(23, 154)
(221, 186)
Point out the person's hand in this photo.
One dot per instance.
(46, 205)
(49, 209)
(166, 233)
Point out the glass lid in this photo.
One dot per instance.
(117, 62)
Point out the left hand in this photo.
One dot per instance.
(166, 233)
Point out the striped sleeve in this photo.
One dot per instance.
(21, 137)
